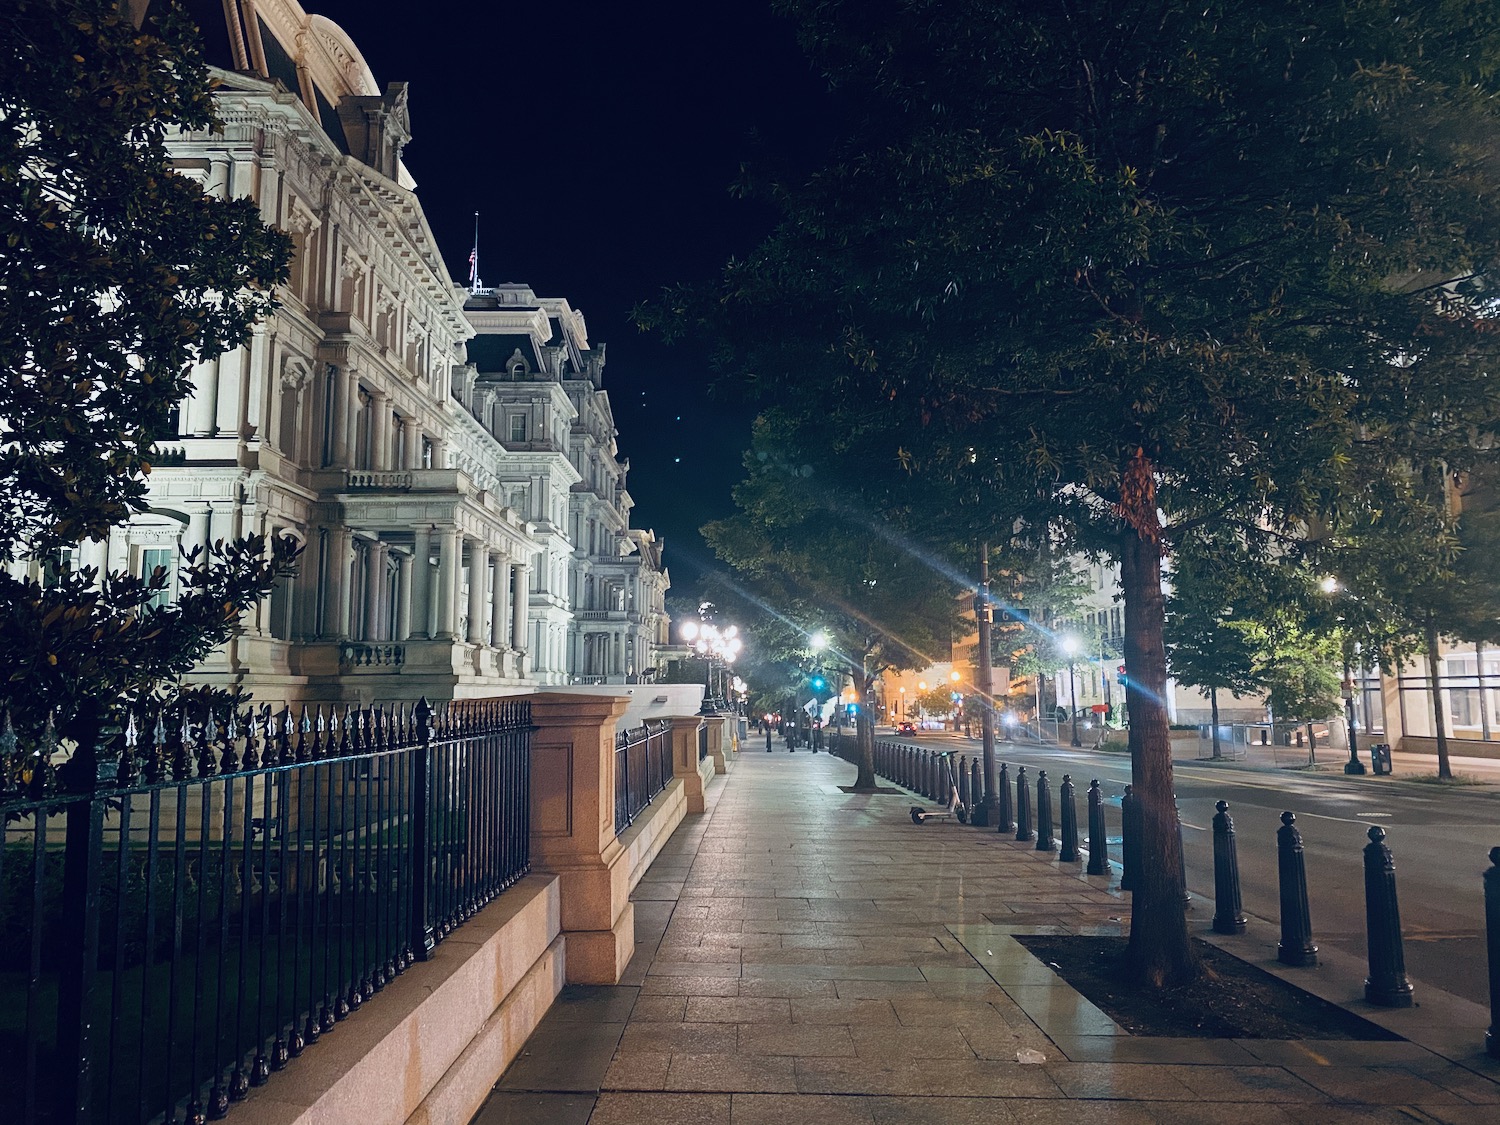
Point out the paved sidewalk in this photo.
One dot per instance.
(806, 955)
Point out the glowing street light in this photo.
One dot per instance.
(711, 644)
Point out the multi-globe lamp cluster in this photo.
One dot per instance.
(715, 647)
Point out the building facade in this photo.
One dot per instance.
(543, 384)
(433, 497)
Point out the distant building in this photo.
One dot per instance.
(540, 384)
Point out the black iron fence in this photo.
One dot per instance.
(643, 766)
(188, 904)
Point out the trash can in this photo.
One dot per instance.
(1380, 757)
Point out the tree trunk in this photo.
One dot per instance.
(1160, 952)
(1445, 768)
(864, 731)
(1213, 711)
(1312, 745)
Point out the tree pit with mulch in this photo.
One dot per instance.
(1232, 999)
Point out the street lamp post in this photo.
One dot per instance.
(1332, 586)
(1070, 646)
(712, 645)
(986, 811)
(1353, 765)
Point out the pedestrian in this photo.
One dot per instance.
(768, 737)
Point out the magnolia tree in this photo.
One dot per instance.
(119, 275)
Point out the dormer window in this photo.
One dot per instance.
(518, 427)
(516, 366)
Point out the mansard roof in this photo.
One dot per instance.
(492, 353)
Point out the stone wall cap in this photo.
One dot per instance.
(593, 706)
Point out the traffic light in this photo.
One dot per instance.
(1120, 674)
(819, 683)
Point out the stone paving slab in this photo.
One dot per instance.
(825, 960)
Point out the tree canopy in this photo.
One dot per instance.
(795, 549)
(119, 275)
(1128, 268)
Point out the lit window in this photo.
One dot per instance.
(64, 559)
(518, 427)
(151, 558)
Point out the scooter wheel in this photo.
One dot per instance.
(963, 815)
(917, 816)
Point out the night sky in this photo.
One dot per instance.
(599, 143)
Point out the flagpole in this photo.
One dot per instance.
(474, 282)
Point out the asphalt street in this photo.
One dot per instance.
(1440, 840)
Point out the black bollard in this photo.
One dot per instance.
(1069, 853)
(929, 774)
(963, 781)
(1044, 841)
(1130, 840)
(1296, 946)
(1098, 833)
(1023, 806)
(1492, 940)
(1229, 918)
(976, 788)
(1387, 984)
(1002, 787)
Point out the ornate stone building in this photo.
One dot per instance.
(542, 385)
(433, 497)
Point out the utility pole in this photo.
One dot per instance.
(985, 810)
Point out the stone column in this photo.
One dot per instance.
(403, 605)
(221, 521)
(413, 445)
(343, 385)
(378, 609)
(478, 561)
(380, 430)
(520, 598)
(420, 583)
(685, 759)
(447, 599)
(351, 420)
(197, 533)
(339, 544)
(573, 830)
(497, 578)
